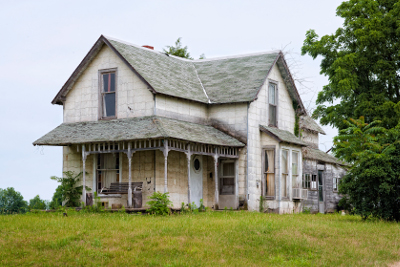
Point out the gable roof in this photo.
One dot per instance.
(282, 135)
(212, 81)
(151, 127)
(306, 122)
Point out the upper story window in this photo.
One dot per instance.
(108, 97)
(272, 100)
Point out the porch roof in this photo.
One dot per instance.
(151, 127)
(282, 135)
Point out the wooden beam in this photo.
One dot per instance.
(216, 197)
(188, 155)
(165, 165)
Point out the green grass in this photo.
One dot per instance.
(204, 239)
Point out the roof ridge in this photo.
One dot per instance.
(160, 126)
(238, 56)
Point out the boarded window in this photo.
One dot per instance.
(108, 95)
(272, 104)
(227, 179)
(107, 170)
(269, 172)
(285, 172)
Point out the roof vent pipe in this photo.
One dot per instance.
(148, 46)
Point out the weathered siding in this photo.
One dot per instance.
(181, 109)
(311, 138)
(133, 97)
(286, 114)
(331, 198)
(258, 114)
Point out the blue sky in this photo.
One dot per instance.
(44, 41)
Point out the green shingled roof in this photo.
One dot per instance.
(307, 122)
(316, 154)
(214, 81)
(134, 129)
(235, 79)
(282, 135)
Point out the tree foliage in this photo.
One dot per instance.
(71, 193)
(362, 62)
(37, 203)
(373, 182)
(178, 50)
(57, 199)
(12, 201)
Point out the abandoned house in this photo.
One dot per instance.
(220, 131)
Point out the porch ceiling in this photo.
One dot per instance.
(151, 127)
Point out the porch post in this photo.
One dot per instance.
(130, 175)
(84, 175)
(188, 155)
(216, 198)
(165, 165)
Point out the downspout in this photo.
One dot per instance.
(247, 158)
(155, 151)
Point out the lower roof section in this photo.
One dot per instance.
(152, 127)
(282, 135)
(316, 154)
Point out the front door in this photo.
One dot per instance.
(227, 186)
(321, 192)
(196, 179)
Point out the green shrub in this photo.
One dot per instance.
(159, 204)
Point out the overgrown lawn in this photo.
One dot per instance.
(203, 239)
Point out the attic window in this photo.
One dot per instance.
(272, 100)
(108, 94)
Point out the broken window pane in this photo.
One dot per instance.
(109, 105)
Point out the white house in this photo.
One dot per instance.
(221, 130)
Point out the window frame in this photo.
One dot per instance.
(287, 173)
(100, 158)
(306, 181)
(337, 179)
(275, 83)
(266, 172)
(101, 93)
(298, 183)
(316, 182)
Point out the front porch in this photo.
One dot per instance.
(190, 161)
(187, 171)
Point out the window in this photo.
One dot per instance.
(227, 179)
(108, 95)
(295, 169)
(313, 182)
(269, 172)
(107, 170)
(306, 181)
(336, 182)
(272, 104)
(285, 172)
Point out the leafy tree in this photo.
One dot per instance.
(71, 194)
(37, 203)
(178, 50)
(372, 184)
(56, 201)
(12, 201)
(362, 62)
